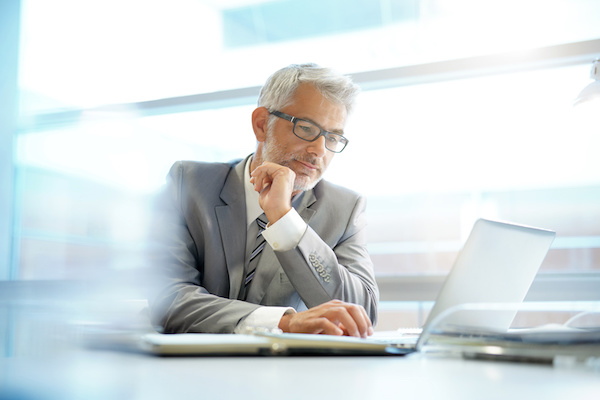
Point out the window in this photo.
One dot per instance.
(113, 92)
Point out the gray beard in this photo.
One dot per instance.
(275, 155)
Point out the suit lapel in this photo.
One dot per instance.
(303, 206)
(231, 218)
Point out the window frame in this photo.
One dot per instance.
(10, 17)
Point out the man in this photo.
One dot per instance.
(314, 274)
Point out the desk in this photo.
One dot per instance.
(107, 375)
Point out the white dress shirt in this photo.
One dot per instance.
(283, 235)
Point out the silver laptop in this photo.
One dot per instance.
(490, 277)
(495, 267)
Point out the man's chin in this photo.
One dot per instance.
(305, 183)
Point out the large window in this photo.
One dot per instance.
(113, 92)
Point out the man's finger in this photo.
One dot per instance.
(359, 316)
(333, 318)
(341, 315)
(265, 187)
(300, 323)
(325, 326)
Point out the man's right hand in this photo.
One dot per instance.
(332, 318)
(275, 184)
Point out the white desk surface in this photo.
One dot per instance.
(110, 375)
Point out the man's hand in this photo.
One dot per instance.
(275, 183)
(332, 318)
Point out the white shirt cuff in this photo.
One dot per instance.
(262, 318)
(285, 234)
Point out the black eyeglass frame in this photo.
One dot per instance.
(343, 140)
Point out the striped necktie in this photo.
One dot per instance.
(254, 256)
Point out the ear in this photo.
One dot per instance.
(260, 117)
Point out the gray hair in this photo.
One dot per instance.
(278, 91)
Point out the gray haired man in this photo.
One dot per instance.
(304, 266)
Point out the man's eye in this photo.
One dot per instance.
(307, 130)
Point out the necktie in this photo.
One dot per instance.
(254, 256)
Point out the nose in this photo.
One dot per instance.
(318, 147)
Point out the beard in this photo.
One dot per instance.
(273, 153)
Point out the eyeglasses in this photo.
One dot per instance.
(309, 131)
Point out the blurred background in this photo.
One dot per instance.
(466, 112)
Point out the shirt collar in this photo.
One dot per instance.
(253, 210)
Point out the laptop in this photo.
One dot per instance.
(489, 280)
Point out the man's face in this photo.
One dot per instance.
(308, 160)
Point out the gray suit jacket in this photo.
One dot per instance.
(202, 237)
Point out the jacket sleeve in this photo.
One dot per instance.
(341, 269)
